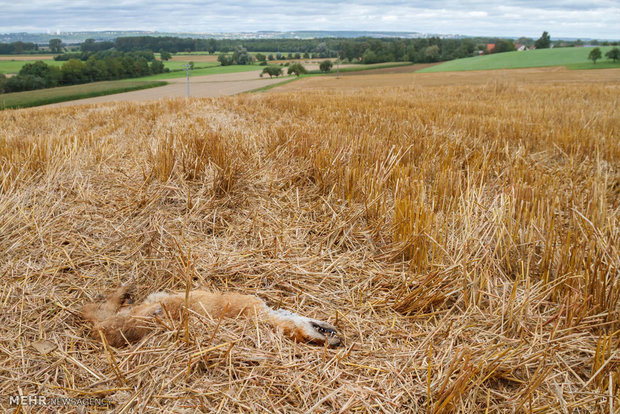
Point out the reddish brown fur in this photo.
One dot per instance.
(121, 322)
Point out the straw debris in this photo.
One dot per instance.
(464, 239)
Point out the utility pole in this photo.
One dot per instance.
(338, 67)
(187, 68)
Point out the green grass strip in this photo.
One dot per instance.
(273, 85)
(69, 93)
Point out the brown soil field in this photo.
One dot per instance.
(390, 71)
(26, 57)
(512, 76)
(463, 238)
(194, 58)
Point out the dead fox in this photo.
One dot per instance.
(122, 322)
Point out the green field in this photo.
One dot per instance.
(13, 66)
(573, 58)
(70, 93)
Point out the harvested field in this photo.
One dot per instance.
(464, 238)
(505, 77)
(389, 71)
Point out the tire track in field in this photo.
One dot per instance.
(200, 87)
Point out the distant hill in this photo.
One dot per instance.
(572, 57)
(79, 37)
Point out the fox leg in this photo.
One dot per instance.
(112, 302)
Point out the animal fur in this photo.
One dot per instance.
(122, 322)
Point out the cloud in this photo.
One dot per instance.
(562, 18)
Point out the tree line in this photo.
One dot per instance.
(364, 49)
(17, 48)
(83, 68)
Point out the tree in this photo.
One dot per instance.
(241, 56)
(595, 54)
(544, 42)
(503, 46)
(613, 54)
(73, 72)
(157, 66)
(322, 49)
(296, 69)
(90, 45)
(260, 57)
(212, 46)
(369, 57)
(431, 54)
(87, 46)
(272, 71)
(224, 60)
(465, 49)
(165, 55)
(527, 41)
(326, 66)
(96, 70)
(49, 74)
(55, 45)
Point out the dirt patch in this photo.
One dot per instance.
(27, 57)
(194, 58)
(200, 87)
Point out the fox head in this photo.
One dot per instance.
(304, 329)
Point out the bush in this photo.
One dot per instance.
(326, 66)
(225, 60)
(296, 69)
(613, 54)
(272, 71)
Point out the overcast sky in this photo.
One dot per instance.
(561, 18)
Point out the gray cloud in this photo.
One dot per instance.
(569, 18)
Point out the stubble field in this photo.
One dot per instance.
(464, 238)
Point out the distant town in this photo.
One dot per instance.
(79, 37)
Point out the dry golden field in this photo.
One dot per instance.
(464, 238)
(194, 58)
(401, 78)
